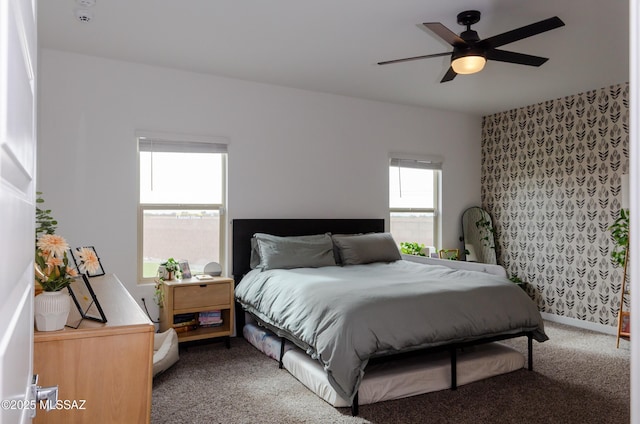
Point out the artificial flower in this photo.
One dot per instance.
(53, 244)
(54, 261)
(51, 265)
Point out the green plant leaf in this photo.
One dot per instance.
(412, 248)
(620, 235)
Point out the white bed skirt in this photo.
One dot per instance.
(392, 379)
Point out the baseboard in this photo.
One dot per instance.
(574, 322)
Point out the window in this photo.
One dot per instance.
(414, 199)
(182, 197)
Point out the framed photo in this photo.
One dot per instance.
(85, 299)
(81, 254)
(184, 268)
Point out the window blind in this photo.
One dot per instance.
(434, 163)
(172, 146)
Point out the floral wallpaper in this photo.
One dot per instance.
(551, 180)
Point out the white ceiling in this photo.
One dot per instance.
(333, 46)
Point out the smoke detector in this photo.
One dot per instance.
(86, 3)
(84, 15)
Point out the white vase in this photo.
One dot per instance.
(51, 310)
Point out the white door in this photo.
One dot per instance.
(17, 205)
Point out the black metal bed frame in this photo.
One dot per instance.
(244, 229)
(453, 354)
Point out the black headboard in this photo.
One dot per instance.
(244, 229)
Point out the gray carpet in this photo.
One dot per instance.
(579, 377)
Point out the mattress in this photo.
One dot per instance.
(394, 378)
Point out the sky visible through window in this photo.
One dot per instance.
(410, 188)
(180, 178)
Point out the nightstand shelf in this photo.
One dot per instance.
(193, 296)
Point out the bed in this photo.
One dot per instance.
(375, 305)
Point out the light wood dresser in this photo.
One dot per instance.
(108, 366)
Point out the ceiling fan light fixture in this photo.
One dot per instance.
(468, 64)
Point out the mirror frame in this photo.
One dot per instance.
(478, 236)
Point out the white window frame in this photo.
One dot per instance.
(183, 143)
(431, 162)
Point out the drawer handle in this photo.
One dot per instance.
(203, 285)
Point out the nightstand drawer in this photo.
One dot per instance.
(201, 296)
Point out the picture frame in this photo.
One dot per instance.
(184, 269)
(85, 299)
(79, 263)
(625, 326)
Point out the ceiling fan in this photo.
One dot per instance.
(470, 53)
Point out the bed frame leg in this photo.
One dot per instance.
(454, 371)
(354, 406)
(530, 354)
(282, 343)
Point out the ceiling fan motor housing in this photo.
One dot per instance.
(469, 48)
(468, 18)
(470, 36)
(463, 51)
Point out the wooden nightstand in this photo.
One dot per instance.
(192, 296)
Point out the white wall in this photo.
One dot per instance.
(292, 153)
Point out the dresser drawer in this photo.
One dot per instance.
(201, 296)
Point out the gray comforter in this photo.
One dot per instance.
(343, 316)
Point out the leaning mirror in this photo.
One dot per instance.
(478, 236)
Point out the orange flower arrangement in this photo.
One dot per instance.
(52, 270)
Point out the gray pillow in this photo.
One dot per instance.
(367, 248)
(336, 249)
(254, 261)
(294, 252)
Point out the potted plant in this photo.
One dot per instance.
(171, 269)
(53, 274)
(412, 248)
(167, 271)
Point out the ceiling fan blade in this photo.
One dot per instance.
(445, 33)
(451, 74)
(522, 32)
(407, 59)
(513, 57)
